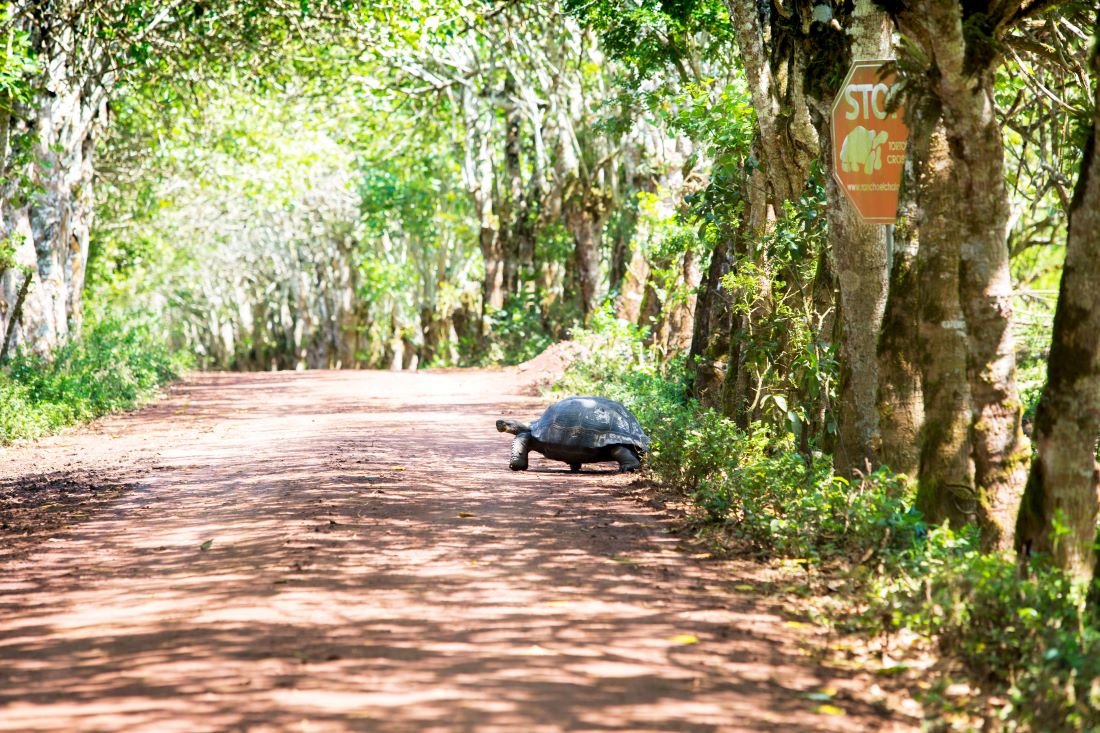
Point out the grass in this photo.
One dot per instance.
(116, 365)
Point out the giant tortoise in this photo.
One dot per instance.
(580, 430)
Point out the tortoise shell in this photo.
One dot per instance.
(589, 422)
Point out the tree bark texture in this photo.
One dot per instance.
(1001, 450)
(946, 489)
(859, 263)
(900, 400)
(900, 395)
(1063, 483)
(629, 306)
(477, 171)
(858, 260)
(584, 219)
(737, 390)
(709, 349)
(788, 141)
(48, 226)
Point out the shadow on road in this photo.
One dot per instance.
(350, 552)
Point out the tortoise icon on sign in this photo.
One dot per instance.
(862, 148)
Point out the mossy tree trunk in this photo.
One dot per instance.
(900, 389)
(584, 218)
(1058, 515)
(900, 400)
(1001, 450)
(859, 262)
(946, 489)
(961, 43)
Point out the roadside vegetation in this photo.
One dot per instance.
(1027, 639)
(115, 365)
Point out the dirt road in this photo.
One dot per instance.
(335, 551)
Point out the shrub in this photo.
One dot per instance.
(115, 366)
(751, 482)
(1029, 635)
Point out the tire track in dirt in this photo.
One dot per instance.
(337, 551)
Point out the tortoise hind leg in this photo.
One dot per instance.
(520, 448)
(626, 457)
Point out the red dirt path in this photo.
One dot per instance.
(374, 566)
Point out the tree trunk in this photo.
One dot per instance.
(5, 131)
(513, 212)
(900, 391)
(859, 261)
(946, 489)
(586, 226)
(859, 264)
(681, 316)
(49, 228)
(1062, 487)
(736, 395)
(16, 313)
(788, 141)
(900, 401)
(477, 172)
(1001, 450)
(711, 329)
(634, 281)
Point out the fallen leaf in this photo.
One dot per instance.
(817, 696)
(825, 694)
(829, 710)
(685, 639)
(799, 625)
(958, 689)
(744, 586)
(465, 515)
(206, 545)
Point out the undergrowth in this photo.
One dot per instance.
(1029, 639)
(116, 365)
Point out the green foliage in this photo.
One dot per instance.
(7, 254)
(115, 366)
(651, 36)
(753, 484)
(18, 65)
(1031, 635)
(786, 345)
(517, 332)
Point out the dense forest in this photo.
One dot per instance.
(274, 185)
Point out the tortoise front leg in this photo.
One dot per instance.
(520, 449)
(627, 458)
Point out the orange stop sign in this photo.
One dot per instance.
(868, 142)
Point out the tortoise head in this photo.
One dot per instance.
(512, 426)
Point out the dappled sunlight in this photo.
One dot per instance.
(379, 568)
